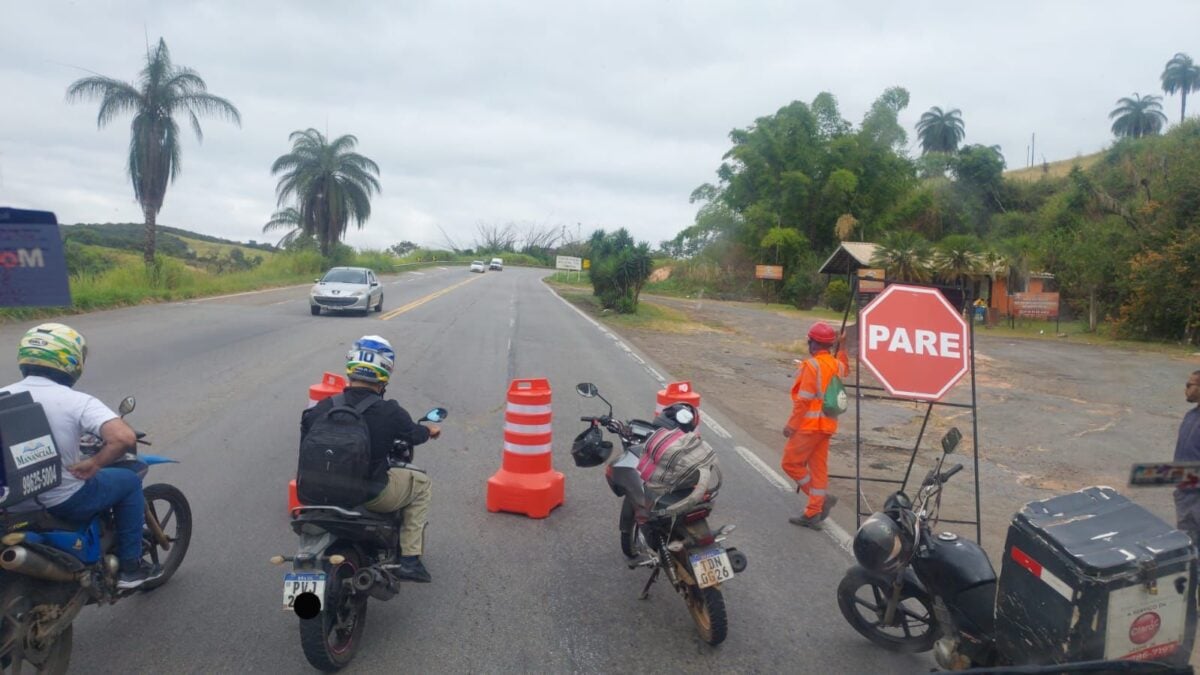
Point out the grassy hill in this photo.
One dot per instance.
(1057, 169)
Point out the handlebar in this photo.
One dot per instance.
(953, 470)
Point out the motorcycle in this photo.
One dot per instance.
(345, 556)
(941, 592)
(656, 534)
(51, 569)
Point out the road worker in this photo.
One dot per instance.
(808, 430)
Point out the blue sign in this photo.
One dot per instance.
(33, 268)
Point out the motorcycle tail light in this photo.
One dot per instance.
(706, 541)
(692, 517)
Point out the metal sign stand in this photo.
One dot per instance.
(863, 392)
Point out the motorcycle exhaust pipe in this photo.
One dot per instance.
(23, 561)
(372, 582)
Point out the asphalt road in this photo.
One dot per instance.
(220, 385)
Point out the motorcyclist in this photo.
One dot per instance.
(369, 366)
(51, 358)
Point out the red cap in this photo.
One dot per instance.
(822, 333)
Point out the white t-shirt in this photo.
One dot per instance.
(71, 414)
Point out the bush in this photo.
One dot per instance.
(837, 295)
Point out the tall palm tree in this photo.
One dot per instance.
(331, 183)
(1137, 117)
(1183, 76)
(940, 131)
(286, 219)
(162, 91)
(903, 255)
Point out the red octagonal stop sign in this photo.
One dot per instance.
(914, 342)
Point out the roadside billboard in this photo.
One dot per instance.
(774, 272)
(564, 262)
(1035, 305)
(33, 268)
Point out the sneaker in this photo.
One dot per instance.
(830, 502)
(410, 568)
(130, 579)
(813, 522)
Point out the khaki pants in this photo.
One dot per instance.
(408, 490)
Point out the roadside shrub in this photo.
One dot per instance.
(837, 295)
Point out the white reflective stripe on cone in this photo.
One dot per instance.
(527, 449)
(529, 409)
(527, 428)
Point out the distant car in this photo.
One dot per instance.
(496, 264)
(342, 289)
(477, 266)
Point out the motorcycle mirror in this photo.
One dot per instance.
(587, 390)
(127, 405)
(950, 440)
(437, 414)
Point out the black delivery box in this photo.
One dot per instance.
(1090, 575)
(31, 461)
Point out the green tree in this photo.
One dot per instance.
(881, 124)
(1137, 117)
(402, 249)
(163, 90)
(620, 268)
(331, 183)
(1183, 76)
(286, 219)
(903, 255)
(940, 131)
(957, 257)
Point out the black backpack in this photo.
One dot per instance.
(335, 456)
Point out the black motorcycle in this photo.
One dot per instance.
(345, 557)
(51, 569)
(913, 591)
(670, 533)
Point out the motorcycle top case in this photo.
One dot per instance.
(1091, 575)
(31, 462)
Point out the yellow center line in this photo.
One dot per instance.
(420, 301)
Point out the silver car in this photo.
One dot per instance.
(354, 289)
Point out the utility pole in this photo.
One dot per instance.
(1033, 147)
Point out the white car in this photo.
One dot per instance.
(354, 289)
(477, 266)
(496, 264)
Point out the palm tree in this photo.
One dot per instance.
(1183, 76)
(957, 257)
(331, 183)
(940, 131)
(903, 255)
(1136, 117)
(162, 91)
(286, 219)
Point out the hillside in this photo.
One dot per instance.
(1053, 169)
(95, 248)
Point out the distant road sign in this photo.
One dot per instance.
(768, 272)
(564, 262)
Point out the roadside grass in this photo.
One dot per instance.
(1077, 332)
(650, 316)
(570, 279)
(1053, 169)
(208, 249)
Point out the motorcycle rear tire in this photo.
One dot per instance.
(326, 648)
(707, 607)
(855, 579)
(56, 660)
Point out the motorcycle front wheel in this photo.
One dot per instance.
(331, 638)
(629, 530)
(170, 509)
(863, 600)
(707, 607)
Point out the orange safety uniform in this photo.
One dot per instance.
(806, 455)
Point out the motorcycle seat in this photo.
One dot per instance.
(357, 514)
(35, 521)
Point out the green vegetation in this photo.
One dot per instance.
(619, 269)
(163, 91)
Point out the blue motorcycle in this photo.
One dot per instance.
(51, 569)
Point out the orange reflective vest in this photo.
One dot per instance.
(808, 392)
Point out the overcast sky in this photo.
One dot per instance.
(597, 114)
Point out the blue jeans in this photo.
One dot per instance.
(120, 490)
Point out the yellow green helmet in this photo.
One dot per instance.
(54, 346)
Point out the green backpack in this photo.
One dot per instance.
(834, 401)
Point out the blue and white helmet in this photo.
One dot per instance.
(371, 359)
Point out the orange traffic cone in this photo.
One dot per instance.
(526, 483)
(331, 384)
(678, 392)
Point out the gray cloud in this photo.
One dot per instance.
(606, 114)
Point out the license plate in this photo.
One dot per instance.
(295, 583)
(711, 567)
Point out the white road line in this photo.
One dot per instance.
(761, 467)
(443, 268)
(420, 274)
(710, 422)
(238, 295)
(283, 302)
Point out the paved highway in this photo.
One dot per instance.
(220, 385)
